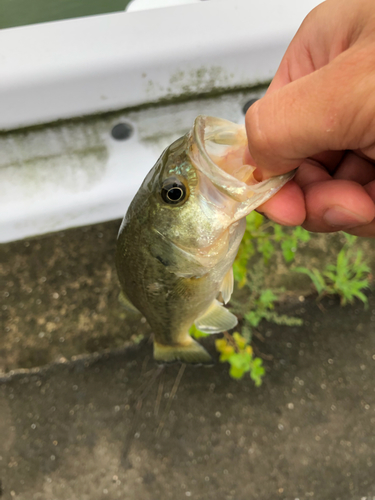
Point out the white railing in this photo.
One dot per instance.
(74, 172)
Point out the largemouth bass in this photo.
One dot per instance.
(181, 233)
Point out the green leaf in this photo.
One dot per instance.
(257, 371)
(361, 296)
(266, 248)
(240, 341)
(267, 298)
(283, 319)
(221, 344)
(239, 273)
(288, 248)
(235, 372)
(350, 238)
(225, 356)
(197, 334)
(254, 318)
(254, 220)
(246, 333)
(301, 234)
(315, 277)
(241, 360)
(257, 363)
(279, 232)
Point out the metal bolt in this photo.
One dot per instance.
(122, 131)
(247, 105)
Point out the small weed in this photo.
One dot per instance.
(197, 334)
(346, 278)
(263, 309)
(235, 350)
(259, 305)
(261, 238)
(265, 238)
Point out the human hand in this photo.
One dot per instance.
(319, 115)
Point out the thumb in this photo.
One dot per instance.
(331, 109)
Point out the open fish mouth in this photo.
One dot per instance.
(217, 149)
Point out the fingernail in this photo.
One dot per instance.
(341, 217)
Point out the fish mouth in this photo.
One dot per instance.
(217, 149)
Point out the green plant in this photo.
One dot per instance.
(197, 334)
(247, 248)
(264, 238)
(263, 308)
(235, 350)
(347, 277)
(260, 304)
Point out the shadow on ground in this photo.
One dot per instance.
(106, 427)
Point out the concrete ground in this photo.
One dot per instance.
(107, 423)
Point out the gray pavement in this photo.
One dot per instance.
(105, 427)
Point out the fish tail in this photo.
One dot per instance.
(191, 352)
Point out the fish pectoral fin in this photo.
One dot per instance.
(125, 302)
(191, 352)
(226, 288)
(216, 319)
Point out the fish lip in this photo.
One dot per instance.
(251, 195)
(208, 167)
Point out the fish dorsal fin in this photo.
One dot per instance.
(226, 288)
(216, 319)
(125, 302)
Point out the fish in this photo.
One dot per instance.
(180, 235)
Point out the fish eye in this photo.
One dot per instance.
(173, 191)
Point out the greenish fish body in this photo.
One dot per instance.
(181, 233)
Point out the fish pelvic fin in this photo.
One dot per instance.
(191, 352)
(216, 319)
